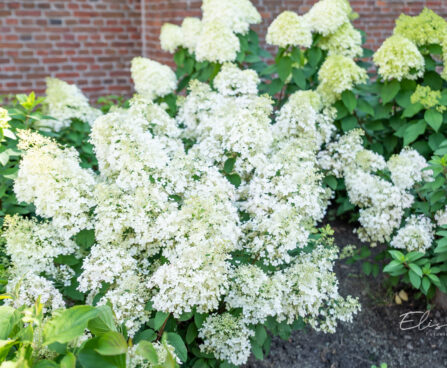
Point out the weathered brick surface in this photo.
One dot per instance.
(91, 42)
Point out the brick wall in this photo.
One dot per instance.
(89, 42)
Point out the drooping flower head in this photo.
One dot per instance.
(289, 29)
(399, 58)
(152, 79)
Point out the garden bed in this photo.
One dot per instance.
(374, 337)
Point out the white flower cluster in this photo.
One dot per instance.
(214, 37)
(51, 178)
(382, 202)
(176, 228)
(65, 102)
(416, 235)
(441, 217)
(151, 78)
(289, 29)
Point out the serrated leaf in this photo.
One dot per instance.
(433, 118)
(349, 100)
(416, 269)
(389, 90)
(414, 279)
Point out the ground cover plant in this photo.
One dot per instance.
(187, 230)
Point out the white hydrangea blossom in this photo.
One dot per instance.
(65, 102)
(326, 16)
(171, 37)
(26, 289)
(227, 337)
(213, 34)
(441, 217)
(50, 177)
(236, 15)
(407, 168)
(289, 29)
(151, 78)
(346, 41)
(191, 29)
(233, 81)
(416, 235)
(33, 246)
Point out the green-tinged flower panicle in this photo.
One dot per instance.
(233, 81)
(151, 78)
(289, 29)
(326, 16)
(65, 102)
(416, 236)
(424, 29)
(237, 15)
(227, 337)
(346, 41)
(217, 43)
(338, 74)
(399, 58)
(171, 37)
(4, 118)
(191, 29)
(428, 98)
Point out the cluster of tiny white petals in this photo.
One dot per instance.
(171, 37)
(217, 43)
(128, 301)
(33, 246)
(416, 235)
(236, 15)
(50, 177)
(233, 81)
(191, 29)
(326, 16)
(346, 41)
(28, 288)
(399, 58)
(152, 79)
(227, 337)
(407, 168)
(65, 102)
(289, 29)
(441, 217)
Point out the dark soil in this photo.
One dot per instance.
(374, 337)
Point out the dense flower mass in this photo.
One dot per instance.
(399, 58)
(416, 236)
(289, 29)
(326, 16)
(227, 225)
(346, 40)
(151, 78)
(427, 97)
(424, 29)
(65, 102)
(338, 74)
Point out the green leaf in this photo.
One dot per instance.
(85, 239)
(413, 131)
(349, 123)
(147, 351)
(111, 343)
(389, 90)
(103, 322)
(365, 107)
(234, 179)
(299, 78)
(331, 182)
(349, 100)
(425, 284)
(314, 55)
(416, 269)
(8, 318)
(413, 256)
(414, 279)
(367, 268)
(260, 335)
(412, 110)
(191, 333)
(147, 335)
(199, 318)
(284, 68)
(229, 165)
(159, 320)
(257, 351)
(393, 266)
(433, 118)
(177, 342)
(66, 325)
(397, 255)
(68, 361)
(41, 364)
(88, 357)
